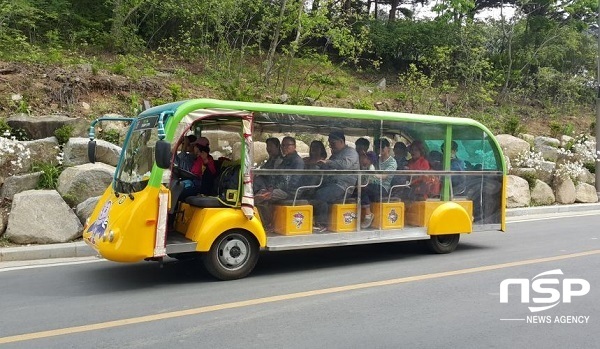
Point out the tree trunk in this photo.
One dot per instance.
(274, 43)
(393, 10)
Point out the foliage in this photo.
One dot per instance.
(529, 159)
(111, 136)
(512, 126)
(49, 176)
(531, 179)
(63, 133)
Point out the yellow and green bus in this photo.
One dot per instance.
(143, 216)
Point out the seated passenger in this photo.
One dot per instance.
(205, 171)
(273, 162)
(420, 185)
(283, 186)
(185, 158)
(362, 145)
(378, 187)
(435, 159)
(456, 164)
(334, 187)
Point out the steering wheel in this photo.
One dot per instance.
(181, 173)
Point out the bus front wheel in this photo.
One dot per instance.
(232, 256)
(443, 243)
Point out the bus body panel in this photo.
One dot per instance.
(204, 225)
(450, 218)
(130, 222)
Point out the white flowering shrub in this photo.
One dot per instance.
(583, 149)
(578, 154)
(569, 169)
(12, 154)
(529, 159)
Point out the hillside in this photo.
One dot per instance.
(90, 87)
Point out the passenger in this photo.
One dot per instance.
(418, 162)
(368, 160)
(185, 158)
(204, 167)
(435, 160)
(378, 187)
(362, 145)
(274, 151)
(283, 186)
(456, 164)
(262, 182)
(400, 153)
(316, 153)
(334, 187)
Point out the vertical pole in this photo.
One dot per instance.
(598, 108)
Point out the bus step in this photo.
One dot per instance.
(178, 243)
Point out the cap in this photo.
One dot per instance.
(337, 135)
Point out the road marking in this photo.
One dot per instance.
(49, 265)
(279, 298)
(543, 217)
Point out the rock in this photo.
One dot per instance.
(3, 219)
(542, 194)
(586, 177)
(19, 157)
(41, 217)
(16, 184)
(512, 146)
(585, 193)
(260, 152)
(549, 153)
(381, 85)
(523, 171)
(85, 209)
(549, 141)
(44, 126)
(78, 183)
(564, 190)
(547, 146)
(564, 140)
(43, 150)
(527, 138)
(75, 152)
(546, 171)
(517, 192)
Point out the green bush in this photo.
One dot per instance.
(591, 166)
(111, 136)
(63, 133)
(531, 179)
(365, 104)
(49, 176)
(512, 126)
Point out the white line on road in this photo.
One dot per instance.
(280, 298)
(46, 264)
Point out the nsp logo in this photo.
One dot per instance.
(546, 286)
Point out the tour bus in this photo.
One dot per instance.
(143, 215)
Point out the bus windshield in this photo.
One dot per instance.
(137, 159)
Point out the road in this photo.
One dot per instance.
(375, 296)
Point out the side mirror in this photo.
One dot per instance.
(92, 151)
(162, 154)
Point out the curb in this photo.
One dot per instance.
(530, 211)
(31, 252)
(81, 249)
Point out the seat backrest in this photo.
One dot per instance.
(228, 189)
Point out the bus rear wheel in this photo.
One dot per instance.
(443, 243)
(232, 256)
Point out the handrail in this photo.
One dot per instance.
(306, 187)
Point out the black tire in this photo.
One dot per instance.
(443, 243)
(232, 256)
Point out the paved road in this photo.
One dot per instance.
(378, 296)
